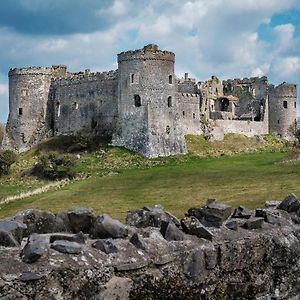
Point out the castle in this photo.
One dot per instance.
(143, 106)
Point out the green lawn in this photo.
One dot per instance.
(177, 184)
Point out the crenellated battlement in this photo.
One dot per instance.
(149, 52)
(31, 71)
(83, 77)
(284, 90)
(246, 80)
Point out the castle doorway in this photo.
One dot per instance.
(224, 104)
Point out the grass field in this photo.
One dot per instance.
(177, 183)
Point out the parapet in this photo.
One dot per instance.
(31, 71)
(149, 52)
(251, 80)
(87, 76)
(284, 90)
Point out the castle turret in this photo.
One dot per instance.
(282, 109)
(147, 110)
(29, 118)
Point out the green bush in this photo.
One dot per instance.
(7, 158)
(2, 130)
(55, 166)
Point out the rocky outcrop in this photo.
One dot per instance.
(214, 252)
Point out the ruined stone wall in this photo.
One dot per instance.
(85, 102)
(147, 108)
(282, 109)
(29, 110)
(189, 112)
(247, 128)
(252, 93)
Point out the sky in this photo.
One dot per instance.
(226, 38)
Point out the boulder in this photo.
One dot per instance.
(213, 214)
(36, 246)
(150, 217)
(242, 212)
(30, 276)
(67, 247)
(138, 241)
(106, 246)
(272, 203)
(254, 223)
(81, 219)
(290, 203)
(271, 217)
(14, 229)
(194, 264)
(78, 237)
(37, 221)
(62, 222)
(7, 239)
(171, 232)
(232, 225)
(106, 227)
(193, 226)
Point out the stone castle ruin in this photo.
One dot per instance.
(143, 106)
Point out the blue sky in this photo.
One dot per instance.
(227, 38)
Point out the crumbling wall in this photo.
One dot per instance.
(189, 113)
(85, 102)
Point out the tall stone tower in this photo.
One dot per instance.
(282, 109)
(29, 118)
(147, 111)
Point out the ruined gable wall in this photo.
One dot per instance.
(252, 94)
(189, 112)
(85, 102)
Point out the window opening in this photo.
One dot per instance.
(170, 79)
(20, 111)
(169, 101)
(137, 101)
(285, 104)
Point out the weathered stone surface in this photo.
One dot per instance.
(232, 225)
(37, 245)
(192, 226)
(254, 223)
(62, 222)
(213, 214)
(118, 288)
(261, 263)
(106, 227)
(272, 217)
(106, 246)
(194, 264)
(29, 276)
(171, 232)
(78, 237)
(66, 247)
(81, 219)
(37, 221)
(138, 241)
(7, 239)
(290, 203)
(150, 217)
(15, 228)
(272, 204)
(242, 212)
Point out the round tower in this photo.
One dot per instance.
(29, 118)
(147, 109)
(282, 109)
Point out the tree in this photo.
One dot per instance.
(7, 158)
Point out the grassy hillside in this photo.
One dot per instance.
(118, 180)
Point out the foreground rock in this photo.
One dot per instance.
(246, 256)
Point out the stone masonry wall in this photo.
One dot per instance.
(213, 252)
(85, 102)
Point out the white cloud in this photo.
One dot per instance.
(288, 66)
(3, 89)
(260, 71)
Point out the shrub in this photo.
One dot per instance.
(2, 130)
(7, 158)
(54, 166)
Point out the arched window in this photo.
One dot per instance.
(132, 78)
(137, 101)
(183, 113)
(170, 79)
(169, 101)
